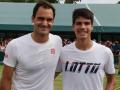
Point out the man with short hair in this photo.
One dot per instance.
(30, 60)
(85, 62)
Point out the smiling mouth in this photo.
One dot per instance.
(43, 28)
(82, 32)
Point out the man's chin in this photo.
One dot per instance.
(44, 33)
(83, 37)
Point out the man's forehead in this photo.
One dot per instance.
(44, 17)
(82, 20)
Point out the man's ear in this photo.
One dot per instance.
(32, 23)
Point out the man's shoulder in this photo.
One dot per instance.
(69, 46)
(55, 37)
(18, 40)
(102, 47)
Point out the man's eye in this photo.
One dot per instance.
(78, 23)
(49, 20)
(87, 23)
(40, 18)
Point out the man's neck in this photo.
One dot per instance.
(40, 38)
(83, 44)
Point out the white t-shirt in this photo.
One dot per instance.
(85, 70)
(35, 63)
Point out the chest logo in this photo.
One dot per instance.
(52, 50)
(78, 66)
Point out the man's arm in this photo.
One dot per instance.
(6, 79)
(110, 85)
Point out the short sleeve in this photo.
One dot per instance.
(10, 55)
(109, 66)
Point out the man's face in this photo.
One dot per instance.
(43, 21)
(83, 28)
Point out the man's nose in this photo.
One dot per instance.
(44, 22)
(83, 25)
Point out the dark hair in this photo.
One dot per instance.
(83, 12)
(44, 4)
